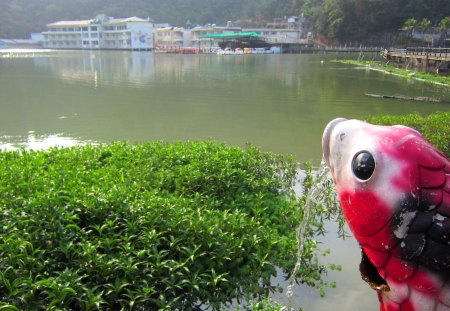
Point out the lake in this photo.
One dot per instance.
(280, 103)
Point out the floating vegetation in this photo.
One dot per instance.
(27, 53)
(404, 97)
(405, 73)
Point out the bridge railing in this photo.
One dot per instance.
(401, 51)
(436, 52)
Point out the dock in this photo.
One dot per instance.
(429, 59)
(311, 49)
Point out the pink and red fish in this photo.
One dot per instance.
(394, 189)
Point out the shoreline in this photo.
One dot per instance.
(400, 72)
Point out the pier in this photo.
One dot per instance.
(306, 49)
(428, 59)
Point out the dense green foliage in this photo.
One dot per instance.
(343, 20)
(365, 20)
(402, 72)
(435, 127)
(153, 226)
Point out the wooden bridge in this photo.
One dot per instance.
(430, 59)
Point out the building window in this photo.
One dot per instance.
(94, 28)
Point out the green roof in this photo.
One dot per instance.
(231, 35)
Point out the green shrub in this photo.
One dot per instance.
(434, 127)
(146, 226)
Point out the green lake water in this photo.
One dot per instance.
(280, 103)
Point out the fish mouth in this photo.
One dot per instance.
(326, 138)
(371, 275)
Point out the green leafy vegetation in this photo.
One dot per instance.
(154, 226)
(434, 127)
(367, 20)
(405, 73)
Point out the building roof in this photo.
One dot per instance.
(104, 21)
(70, 23)
(231, 35)
(170, 29)
(271, 30)
(128, 19)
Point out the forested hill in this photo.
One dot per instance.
(19, 17)
(343, 20)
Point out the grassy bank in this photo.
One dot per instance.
(152, 226)
(405, 73)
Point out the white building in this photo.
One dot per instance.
(272, 35)
(102, 32)
(174, 38)
(293, 29)
(193, 37)
(168, 37)
(287, 30)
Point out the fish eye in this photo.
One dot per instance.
(363, 165)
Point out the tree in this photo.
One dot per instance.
(424, 24)
(409, 26)
(444, 26)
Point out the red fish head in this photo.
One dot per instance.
(375, 169)
(394, 190)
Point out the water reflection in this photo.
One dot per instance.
(38, 142)
(101, 68)
(26, 53)
(280, 103)
(351, 292)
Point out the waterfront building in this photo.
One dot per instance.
(287, 36)
(169, 38)
(195, 37)
(134, 33)
(102, 32)
(174, 39)
(287, 30)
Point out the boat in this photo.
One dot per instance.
(246, 51)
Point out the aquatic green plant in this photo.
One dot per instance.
(402, 72)
(155, 226)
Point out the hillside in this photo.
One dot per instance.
(341, 20)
